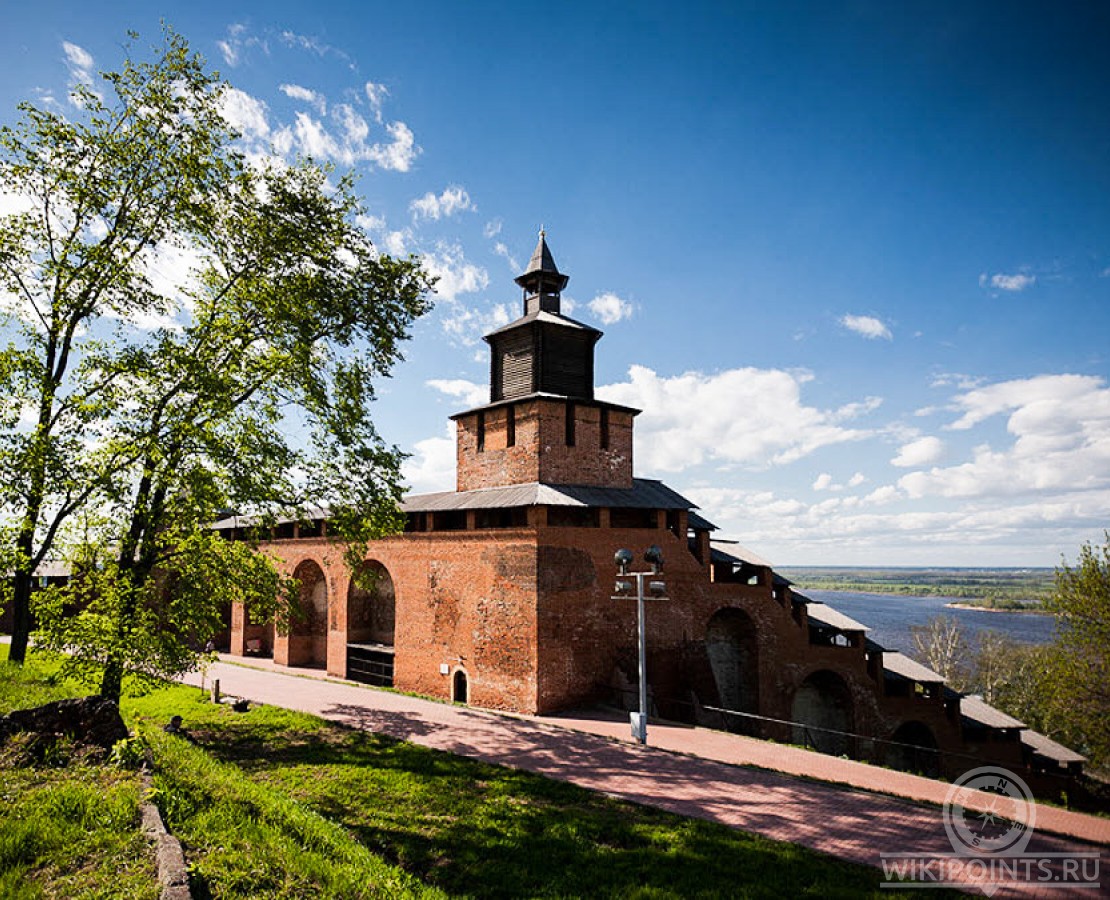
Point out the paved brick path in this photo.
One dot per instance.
(691, 771)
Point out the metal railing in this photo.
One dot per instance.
(916, 758)
(370, 666)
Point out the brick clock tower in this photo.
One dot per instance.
(542, 423)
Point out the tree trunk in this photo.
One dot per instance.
(132, 578)
(21, 617)
(23, 581)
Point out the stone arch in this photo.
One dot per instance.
(732, 645)
(460, 687)
(308, 630)
(258, 637)
(371, 606)
(822, 708)
(914, 749)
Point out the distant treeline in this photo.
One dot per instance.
(990, 588)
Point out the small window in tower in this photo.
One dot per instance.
(604, 428)
(481, 432)
(570, 423)
(510, 426)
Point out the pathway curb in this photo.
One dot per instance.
(172, 872)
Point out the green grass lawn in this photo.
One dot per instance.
(69, 828)
(271, 803)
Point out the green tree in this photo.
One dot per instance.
(942, 646)
(991, 664)
(259, 399)
(1081, 682)
(94, 196)
(1024, 686)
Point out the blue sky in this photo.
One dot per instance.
(851, 259)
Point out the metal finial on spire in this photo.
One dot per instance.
(542, 277)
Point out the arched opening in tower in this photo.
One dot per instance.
(371, 625)
(732, 645)
(823, 713)
(371, 606)
(308, 631)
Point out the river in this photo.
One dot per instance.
(889, 616)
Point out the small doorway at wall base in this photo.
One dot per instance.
(459, 687)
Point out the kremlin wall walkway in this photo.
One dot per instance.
(837, 806)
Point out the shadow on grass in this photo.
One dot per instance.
(477, 828)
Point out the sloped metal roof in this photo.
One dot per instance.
(1048, 748)
(645, 493)
(540, 395)
(246, 520)
(730, 550)
(699, 523)
(973, 707)
(542, 261)
(542, 315)
(824, 614)
(900, 664)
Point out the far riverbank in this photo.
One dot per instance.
(890, 617)
(1026, 611)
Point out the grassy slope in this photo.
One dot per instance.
(472, 829)
(272, 803)
(70, 829)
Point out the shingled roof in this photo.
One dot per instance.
(645, 493)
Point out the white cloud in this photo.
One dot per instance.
(348, 143)
(492, 229)
(13, 203)
(455, 273)
(1012, 283)
(171, 268)
(608, 308)
(400, 153)
(1060, 428)
(466, 325)
(79, 59)
(81, 66)
(370, 223)
(229, 51)
(920, 452)
(432, 465)
(503, 251)
(753, 417)
(469, 392)
(314, 45)
(236, 42)
(1053, 398)
(453, 199)
(1040, 490)
(866, 326)
(375, 95)
(244, 113)
(296, 92)
(312, 138)
(396, 243)
(355, 128)
(856, 409)
(825, 482)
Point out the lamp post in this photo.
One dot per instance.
(623, 559)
